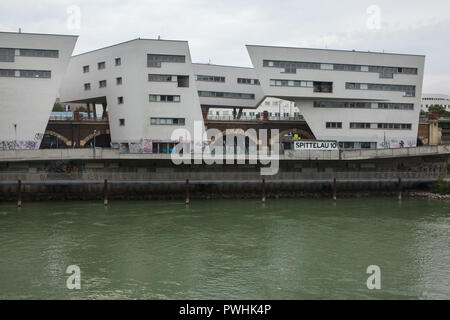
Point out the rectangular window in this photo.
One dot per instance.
(38, 53)
(164, 98)
(7, 55)
(87, 86)
(101, 65)
(102, 84)
(248, 81)
(119, 81)
(167, 121)
(122, 122)
(118, 62)
(160, 77)
(183, 81)
(227, 95)
(119, 100)
(325, 87)
(200, 77)
(333, 125)
(85, 69)
(155, 60)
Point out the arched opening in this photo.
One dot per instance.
(53, 140)
(101, 140)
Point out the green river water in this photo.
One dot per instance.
(284, 249)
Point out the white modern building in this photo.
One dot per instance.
(360, 99)
(32, 67)
(147, 89)
(430, 99)
(227, 87)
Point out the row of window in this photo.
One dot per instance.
(319, 86)
(409, 91)
(160, 121)
(248, 81)
(368, 125)
(14, 73)
(357, 145)
(102, 65)
(230, 95)
(168, 121)
(363, 105)
(201, 77)
(164, 98)
(182, 81)
(9, 54)
(292, 66)
(155, 60)
(102, 84)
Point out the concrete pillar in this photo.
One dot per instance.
(239, 113)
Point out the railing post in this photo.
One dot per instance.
(187, 191)
(334, 189)
(19, 193)
(399, 188)
(263, 196)
(105, 192)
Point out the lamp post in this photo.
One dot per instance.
(95, 133)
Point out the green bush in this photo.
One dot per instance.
(441, 186)
(57, 108)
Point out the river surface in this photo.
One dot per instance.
(285, 249)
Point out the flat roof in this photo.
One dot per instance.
(124, 42)
(221, 65)
(338, 50)
(40, 34)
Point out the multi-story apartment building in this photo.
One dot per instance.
(360, 99)
(430, 99)
(147, 87)
(227, 87)
(32, 67)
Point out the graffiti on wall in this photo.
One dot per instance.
(143, 146)
(22, 144)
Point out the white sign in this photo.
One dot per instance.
(315, 145)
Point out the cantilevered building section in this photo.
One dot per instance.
(227, 87)
(147, 89)
(360, 99)
(32, 67)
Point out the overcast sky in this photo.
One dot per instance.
(217, 31)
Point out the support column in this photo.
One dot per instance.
(19, 193)
(263, 196)
(105, 192)
(187, 191)
(89, 110)
(94, 110)
(334, 189)
(104, 116)
(240, 113)
(399, 188)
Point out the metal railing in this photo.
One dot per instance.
(253, 118)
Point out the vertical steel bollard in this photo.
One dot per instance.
(105, 192)
(187, 191)
(399, 188)
(19, 193)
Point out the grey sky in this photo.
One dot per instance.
(217, 31)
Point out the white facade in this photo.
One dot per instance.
(32, 67)
(430, 99)
(361, 99)
(148, 86)
(227, 87)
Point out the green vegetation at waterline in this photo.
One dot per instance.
(441, 186)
